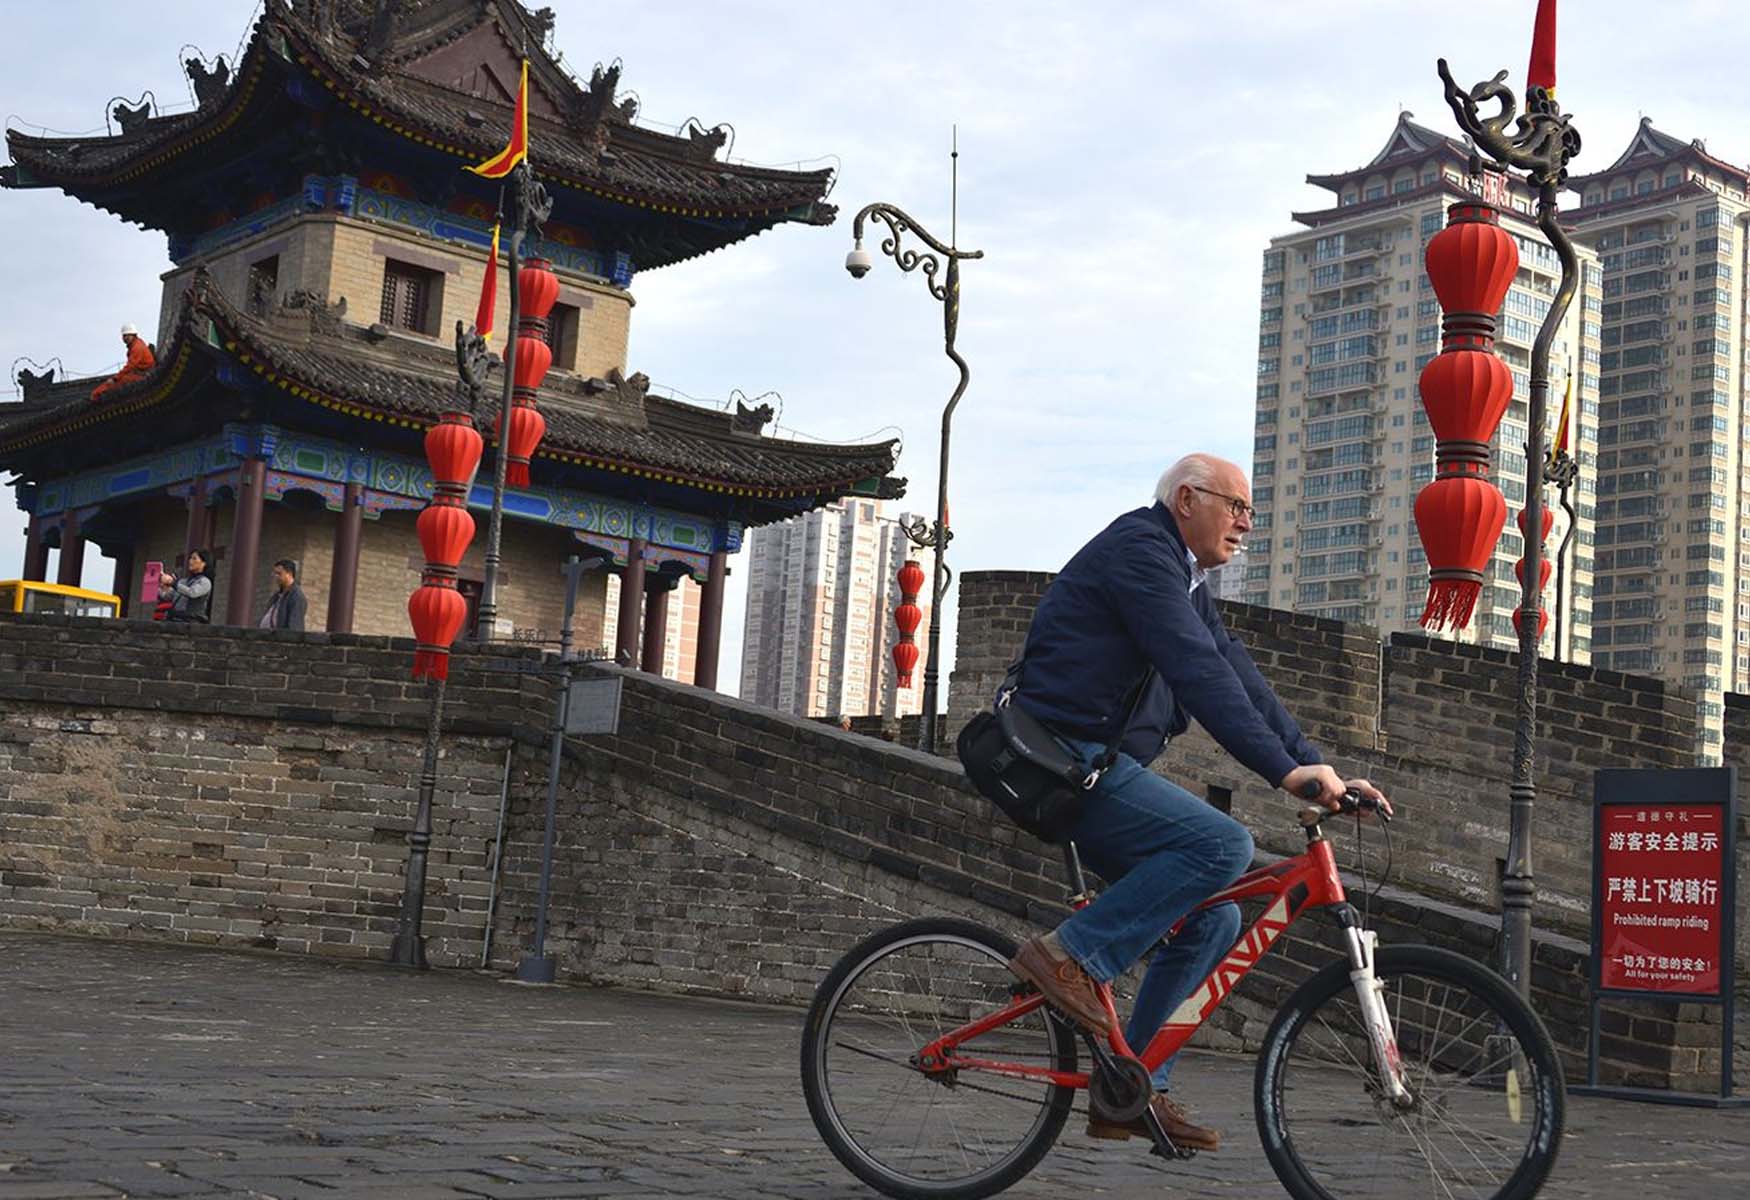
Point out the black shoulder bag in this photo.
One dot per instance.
(1015, 763)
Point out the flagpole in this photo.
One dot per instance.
(486, 623)
(525, 204)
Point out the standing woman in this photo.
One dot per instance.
(191, 595)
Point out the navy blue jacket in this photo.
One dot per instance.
(1124, 601)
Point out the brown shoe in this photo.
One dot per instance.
(1174, 1119)
(1063, 983)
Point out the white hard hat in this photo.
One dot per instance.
(129, 328)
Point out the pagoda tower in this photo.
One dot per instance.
(324, 241)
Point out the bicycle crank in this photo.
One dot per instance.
(1119, 1089)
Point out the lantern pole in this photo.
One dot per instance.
(530, 206)
(1542, 143)
(934, 538)
(408, 949)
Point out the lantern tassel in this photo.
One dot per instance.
(516, 474)
(1450, 603)
(431, 664)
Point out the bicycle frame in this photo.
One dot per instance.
(1292, 886)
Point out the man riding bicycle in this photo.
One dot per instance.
(1135, 597)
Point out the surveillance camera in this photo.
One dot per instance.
(858, 262)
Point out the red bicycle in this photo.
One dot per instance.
(931, 1071)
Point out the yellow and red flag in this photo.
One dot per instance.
(1566, 422)
(488, 291)
(1542, 72)
(500, 165)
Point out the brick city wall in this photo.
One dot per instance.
(243, 787)
(718, 847)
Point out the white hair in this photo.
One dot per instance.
(1194, 470)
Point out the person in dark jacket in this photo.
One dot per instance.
(191, 593)
(287, 608)
(1132, 598)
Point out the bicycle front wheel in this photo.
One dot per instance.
(947, 1135)
(1487, 1099)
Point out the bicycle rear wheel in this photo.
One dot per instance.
(946, 1136)
(1488, 1098)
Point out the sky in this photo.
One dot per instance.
(1123, 165)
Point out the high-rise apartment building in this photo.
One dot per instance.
(1342, 444)
(1667, 221)
(820, 598)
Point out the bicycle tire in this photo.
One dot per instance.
(1498, 1000)
(817, 1040)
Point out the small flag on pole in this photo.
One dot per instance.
(488, 291)
(1542, 71)
(501, 164)
(1566, 422)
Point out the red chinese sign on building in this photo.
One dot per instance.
(1661, 871)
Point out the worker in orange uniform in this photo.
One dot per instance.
(139, 365)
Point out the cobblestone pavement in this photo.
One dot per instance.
(140, 1070)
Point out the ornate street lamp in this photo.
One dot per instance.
(1540, 143)
(935, 538)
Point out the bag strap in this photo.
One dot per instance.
(1012, 683)
(1105, 761)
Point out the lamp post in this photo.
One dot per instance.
(934, 538)
(1540, 143)
(530, 205)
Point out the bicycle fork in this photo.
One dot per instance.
(1370, 995)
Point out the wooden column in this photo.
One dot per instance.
(711, 620)
(631, 604)
(199, 531)
(655, 624)
(245, 540)
(36, 552)
(125, 585)
(72, 552)
(344, 577)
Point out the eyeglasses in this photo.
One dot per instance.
(1239, 508)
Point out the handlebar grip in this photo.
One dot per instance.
(1310, 790)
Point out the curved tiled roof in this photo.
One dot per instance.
(625, 432)
(590, 147)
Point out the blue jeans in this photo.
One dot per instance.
(1162, 851)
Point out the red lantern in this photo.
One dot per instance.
(526, 427)
(533, 357)
(1544, 567)
(445, 530)
(905, 657)
(1459, 518)
(453, 448)
(907, 616)
(1471, 262)
(436, 608)
(911, 578)
(437, 611)
(1465, 392)
(1542, 621)
(537, 290)
(1549, 519)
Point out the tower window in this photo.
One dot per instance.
(412, 297)
(562, 332)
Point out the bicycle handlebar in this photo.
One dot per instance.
(1352, 802)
